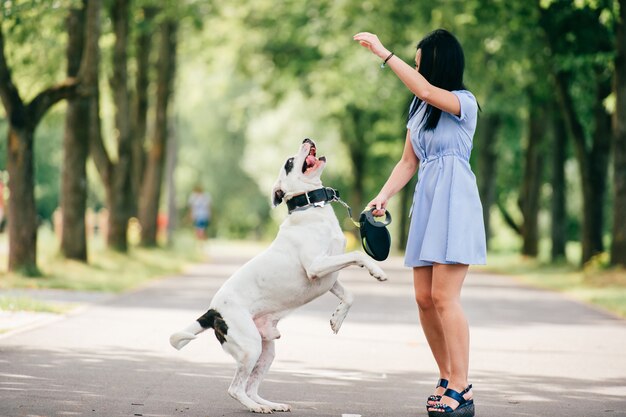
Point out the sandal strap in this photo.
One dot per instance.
(455, 395)
(442, 383)
(467, 389)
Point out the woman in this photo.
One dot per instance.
(447, 232)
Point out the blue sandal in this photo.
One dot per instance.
(436, 398)
(464, 409)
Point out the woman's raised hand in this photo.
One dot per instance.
(371, 42)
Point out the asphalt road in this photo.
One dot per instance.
(533, 353)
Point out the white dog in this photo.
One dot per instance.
(300, 265)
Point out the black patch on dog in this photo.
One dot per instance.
(213, 319)
(278, 197)
(289, 165)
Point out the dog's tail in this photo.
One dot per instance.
(211, 319)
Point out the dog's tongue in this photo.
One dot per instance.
(311, 160)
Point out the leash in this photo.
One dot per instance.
(343, 203)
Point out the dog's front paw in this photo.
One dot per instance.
(377, 272)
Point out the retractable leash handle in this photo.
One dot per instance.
(369, 215)
(375, 237)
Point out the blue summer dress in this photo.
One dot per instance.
(446, 217)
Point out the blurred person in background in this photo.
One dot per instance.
(200, 210)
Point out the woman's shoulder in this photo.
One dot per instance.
(466, 93)
(469, 105)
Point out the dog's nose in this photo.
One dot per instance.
(307, 140)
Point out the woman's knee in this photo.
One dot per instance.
(443, 300)
(424, 301)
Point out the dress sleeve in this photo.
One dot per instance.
(469, 107)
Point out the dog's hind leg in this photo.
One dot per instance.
(345, 302)
(261, 368)
(243, 343)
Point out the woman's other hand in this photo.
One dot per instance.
(371, 42)
(380, 205)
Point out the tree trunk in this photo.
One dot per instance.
(487, 159)
(22, 216)
(357, 156)
(120, 194)
(151, 190)
(559, 214)
(350, 131)
(170, 167)
(90, 80)
(140, 102)
(590, 163)
(599, 158)
(75, 149)
(618, 247)
(529, 196)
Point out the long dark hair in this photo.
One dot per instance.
(442, 64)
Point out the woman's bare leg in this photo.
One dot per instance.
(446, 294)
(430, 321)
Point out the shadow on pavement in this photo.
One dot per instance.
(111, 382)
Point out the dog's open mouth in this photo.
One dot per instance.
(311, 162)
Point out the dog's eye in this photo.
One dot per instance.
(289, 165)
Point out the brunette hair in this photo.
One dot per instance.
(442, 64)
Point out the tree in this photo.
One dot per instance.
(143, 47)
(532, 178)
(558, 208)
(618, 248)
(116, 175)
(75, 148)
(23, 119)
(153, 178)
(579, 62)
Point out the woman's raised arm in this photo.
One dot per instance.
(435, 96)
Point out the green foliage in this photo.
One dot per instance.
(255, 78)
(35, 42)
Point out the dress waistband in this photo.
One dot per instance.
(435, 157)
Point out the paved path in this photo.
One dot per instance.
(534, 353)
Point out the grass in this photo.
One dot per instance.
(596, 283)
(107, 271)
(29, 304)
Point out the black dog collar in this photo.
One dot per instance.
(315, 198)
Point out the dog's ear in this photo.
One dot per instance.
(277, 194)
